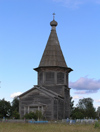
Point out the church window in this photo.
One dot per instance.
(49, 77)
(40, 77)
(67, 79)
(60, 78)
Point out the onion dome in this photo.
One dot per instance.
(53, 23)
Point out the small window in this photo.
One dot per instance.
(60, 78)
(40, 78)
(49, 77)
(67, 79)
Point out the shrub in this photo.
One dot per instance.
(97, 125)
(16, 115)
(32, 115)
(78, 115)
(38, 114)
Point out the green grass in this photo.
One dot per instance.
(25, 127)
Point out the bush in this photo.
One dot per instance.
(32, 115)
(78, 115)
(16, 115)
(38, 114)
(97, 125)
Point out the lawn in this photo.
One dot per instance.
(25, 127)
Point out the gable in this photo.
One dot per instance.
(35, 92)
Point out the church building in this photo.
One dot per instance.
(51, 95)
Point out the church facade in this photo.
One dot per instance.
(52, 94)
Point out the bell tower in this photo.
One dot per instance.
(53, 70)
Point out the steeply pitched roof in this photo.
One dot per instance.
(44, 90)
(53, 55)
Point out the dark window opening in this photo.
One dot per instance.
(49, 77)
(60, 78)
(40, 77)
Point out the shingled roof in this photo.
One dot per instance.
(53, 55)
(44, 90)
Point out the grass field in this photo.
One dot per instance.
(25, 127)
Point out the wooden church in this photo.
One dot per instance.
(52, 95)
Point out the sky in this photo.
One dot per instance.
(24, 31)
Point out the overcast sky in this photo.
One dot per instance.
(24, 31)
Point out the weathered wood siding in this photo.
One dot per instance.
(36, 97)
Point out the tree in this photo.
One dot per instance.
(15, 115)
(86, 105)
(98, 112)
(15, 108)
(84, 109)
(5, 108)
(71, 105)
(77, 114)
(15, 104)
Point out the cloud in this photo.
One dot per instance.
(98, 101)
(85, 85)
(85, 92)
(15, 94)
(81, 92)
(76, 3)
(77, 97)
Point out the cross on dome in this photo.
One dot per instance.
(53, 23)
(54, 16)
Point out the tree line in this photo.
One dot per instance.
(9, 109)
(84, 109)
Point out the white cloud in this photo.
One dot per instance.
(98, 101)
(15, 94)
(85, 85)
(80, 92)
(77, 97)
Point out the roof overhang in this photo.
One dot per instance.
(68, 69)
